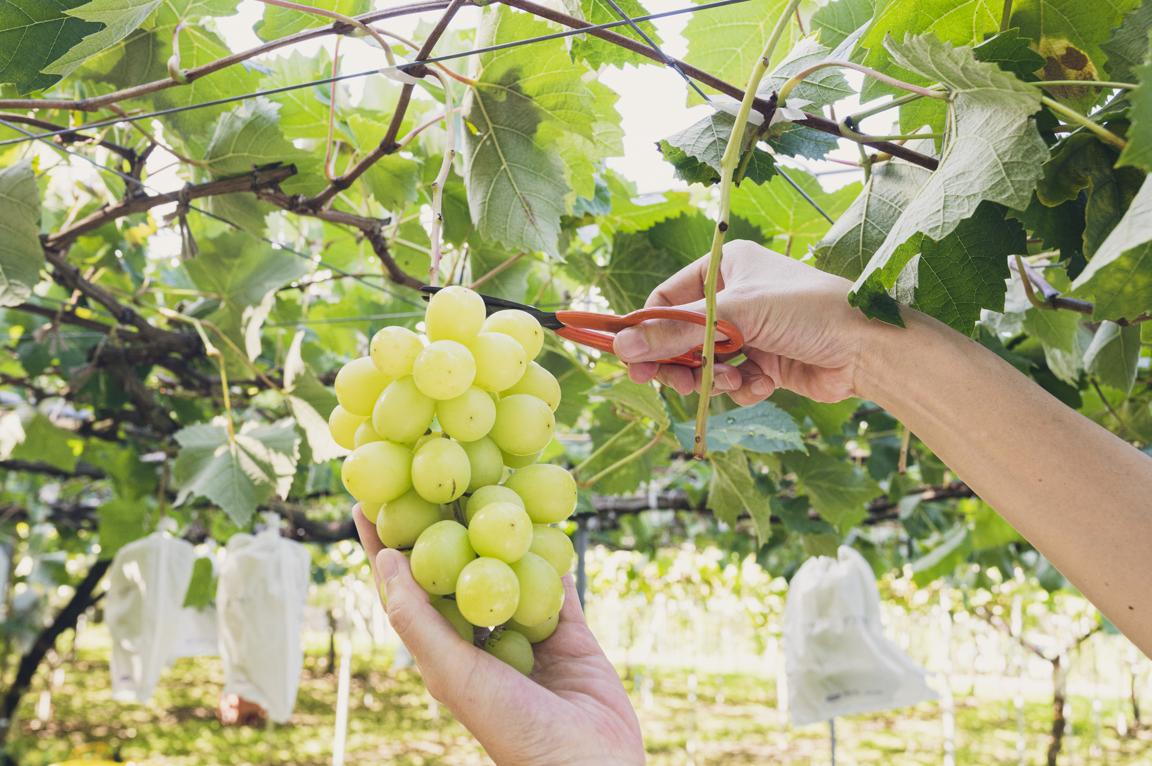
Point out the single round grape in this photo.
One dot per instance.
(444, 370)
(366, 433)
(402, 520)
(440, 555)
(377, 472)
(500, 530)
(342, 424)
(511, 648)
(520, 325)
(468, 417)
(555, 547)
(537, 633)
(441, 471)
(358, 384)
(394, 350)
(450, 612)
(371, 511)
(454, 313)
(541, 592)
(493, 493)
(426, 438)
(402, 414)
(548, 491)
(540, 383)
(487, 592)
(524, 424)
(500, 361)
(487, 463)
(519, 461)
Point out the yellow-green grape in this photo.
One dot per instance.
(500, 530)
(468, 417)
(377, 472)
(541, 592)
(440, 555)
(450, 612)
(540, 383)
(555, 547)
(524, 424)
(401, 521)
(358, 384)
(520, 325)
(394, 350)
(342, 424)
(487, 463)
(402, 414)
(513, 649)
(454, 313)
(444, 370)
(441, 471)
(371, 511)
(500, 361)
(487, 592)
(537, 633)
(548, 492)
(493, 493)
(427, 438)
(366, 433)
(519, 461)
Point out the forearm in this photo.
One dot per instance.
(1077, 492)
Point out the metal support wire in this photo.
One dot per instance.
(671, 62)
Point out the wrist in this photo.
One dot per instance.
(882, 349)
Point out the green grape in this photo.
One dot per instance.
(342, 424)
(537, 633)
(519, 461)
(394, 350)
(540, 383)
(500, 530)
(454, 313)
(402, 520)
(500, 361)
(511, 648)
(450, 612)
(487, 463)
(371, 511)
(555, 547)
(468, 417)
(524, 424)
(366, 433)
(402, 414)
(541, 592)
(487, 592)
(377, 472)
(358, 384)
(426, 438)
(548, 491)
(440, 554)
(441, 471)
(493, 493)
(520, 325)
(444, 370)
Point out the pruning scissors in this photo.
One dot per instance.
(597, 331)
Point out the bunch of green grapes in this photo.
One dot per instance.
(445, 433)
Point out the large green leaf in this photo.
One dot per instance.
(839, 491)
(1119, 276)
(596, 51)
(1063, 339)
(1138, 152)
(643, 401)
(1069, 33)
(820, 88)
(1114, 355)
(726, 41)
(248, 137)
(840, 18)
(281, 22)
(1128, 45)
(120, 521)
(779, 211)
(1010, 51)
(641, 260)
(762, 428)
(33, 34)
(733, 493)
(45, 442)
(119, 17)
(21, 256)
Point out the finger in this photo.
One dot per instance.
(643, 372)
(658, 339)
(685, 286)
(756, 383)
(366, 530)
(571, 611)
(725, 378)
(677, 377)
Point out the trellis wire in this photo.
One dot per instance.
(671, 62)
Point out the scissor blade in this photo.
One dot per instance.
(493, 304)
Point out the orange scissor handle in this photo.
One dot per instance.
(599, 330)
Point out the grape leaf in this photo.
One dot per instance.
(1138, 152)
(632, 212)
(820, 88)
(1010, 51)
(640, 400)
(779, 211)
(248, 137)
(119, 17)
(1068, 34)
(696, 152)
(626, 478)
(280, 22)
(202, 585)
(641, 260)
(1063, 340)
(596, 51)
(46, 442)
(120, 521)
(33, 34)
(762, 428)
(987, 528)
(839, 491)
(21, 256)
(799, 141)
(304, 111)
(733, 493)
(1119, 276)
(1128, 45)
(1114, 354)
(726, 41)
(837, 20)
(310, 402)
(942, 560)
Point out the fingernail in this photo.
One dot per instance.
(761, 387)
(630, 344)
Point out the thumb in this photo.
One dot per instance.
(658, 339)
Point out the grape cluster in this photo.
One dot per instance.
(445, 434)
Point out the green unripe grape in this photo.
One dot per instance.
(444, 370)
(537, 633)
(468, 417)
(425, 439)
(500, 361)
(520, 325)
(366, 433)
(441, 471)
(440, 555)
(401, 521)
(540, 383)
(371, 511)
(493, 493)
(541, 592)
(524, 424)
(342, 424)
(500, 530)
(402, 414)
(487, 463)
(513, 649)
(377, 472)
(394, 350)
(519, 461)
(487, 592)
(358, 384)
(555, 547)
(454, 313)
(548, 492)
(450, 612)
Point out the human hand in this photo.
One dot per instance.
(572, 711)
(799, 331)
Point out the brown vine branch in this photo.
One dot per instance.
(72, 137)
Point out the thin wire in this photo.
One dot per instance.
(671, 62)
(803, 194)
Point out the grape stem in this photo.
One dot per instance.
(605, 446)
(799, 77)
(1072, 115)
